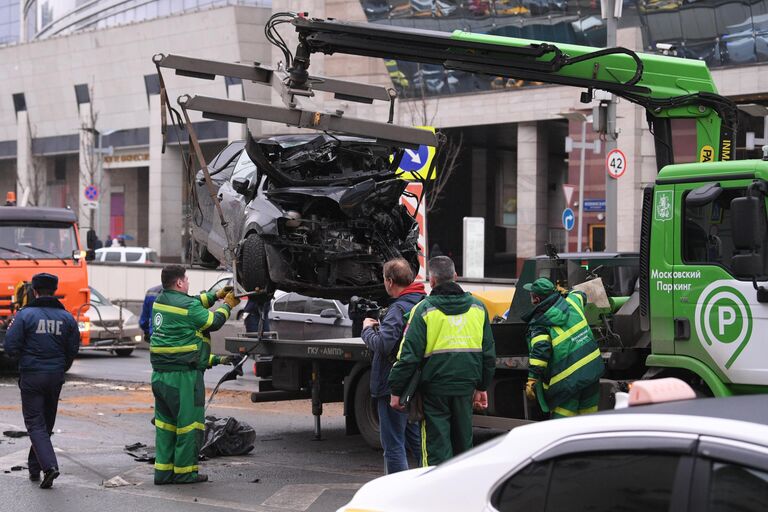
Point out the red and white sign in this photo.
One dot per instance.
(421, 217)
(616, 163)
(568, 191)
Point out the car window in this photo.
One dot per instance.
(152, 256)
(221, 283)
(291, 303)
(132, 256)
(226, 156)
(111, 256)
(316, 306)
(97, 298)
(600, 482)
(245, 169)
(734, 487)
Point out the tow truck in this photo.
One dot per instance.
(700, 294)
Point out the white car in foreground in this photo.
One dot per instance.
(697, 455)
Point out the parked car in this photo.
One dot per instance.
(318, 215)
(703, 454)
(138, 255)
(298, 317)
(106, 325)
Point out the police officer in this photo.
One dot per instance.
(45, 339)
(564, 362)
(180, 351)
(449, 338)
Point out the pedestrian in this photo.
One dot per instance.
(180, 351)
(448, 339)
(145, 320)
(383, 339)
(108, 240)
(257, 307)
(564, 362)
(45, 339)
(97, 243)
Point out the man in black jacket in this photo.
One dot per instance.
(384, 339)
(45, 339)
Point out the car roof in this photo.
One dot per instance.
(751, 408)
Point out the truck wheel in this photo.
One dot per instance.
(366, 415)
(123, 352)
(253, 273)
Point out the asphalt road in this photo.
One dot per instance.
(136, 368)
(107, 404)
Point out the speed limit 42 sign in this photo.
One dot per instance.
(616, 163)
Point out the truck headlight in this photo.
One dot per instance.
(84, 326)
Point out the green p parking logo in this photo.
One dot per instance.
(724, 320)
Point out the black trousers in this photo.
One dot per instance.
(39, 402)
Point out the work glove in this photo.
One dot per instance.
(231, 300)
(223, 292)
(530, 389)
(233, 359)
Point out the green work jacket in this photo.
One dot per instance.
(181, 323)
(563, 354)
(448, 334)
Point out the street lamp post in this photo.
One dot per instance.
(582, 144)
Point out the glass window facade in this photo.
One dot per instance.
(717, 32)
(9, 21)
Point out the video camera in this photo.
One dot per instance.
(360, 308)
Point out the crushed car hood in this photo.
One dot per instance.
(317, 160)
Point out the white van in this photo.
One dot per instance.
(138, 255)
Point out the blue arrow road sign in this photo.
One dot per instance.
(569, 219)
(414, 159)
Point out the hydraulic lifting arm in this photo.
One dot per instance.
(668, 87)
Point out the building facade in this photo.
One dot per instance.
(82, 89)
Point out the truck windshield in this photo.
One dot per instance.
(37, 240)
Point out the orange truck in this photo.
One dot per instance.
(34, 240)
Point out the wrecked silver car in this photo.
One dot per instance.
(313, 214)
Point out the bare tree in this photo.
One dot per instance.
(33, 187)
(448, 147)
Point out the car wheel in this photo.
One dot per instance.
(366, 415)
(123, 352)
(253, 272)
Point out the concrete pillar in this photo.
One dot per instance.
(165, 186)
(637, 143)
(531, 191)
(24, 168)
(235, 131)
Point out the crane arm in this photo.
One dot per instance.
(667, 87)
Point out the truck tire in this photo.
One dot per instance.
(123, 352)
(366, 415)
(253, 272)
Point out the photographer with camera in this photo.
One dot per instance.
(383, 338)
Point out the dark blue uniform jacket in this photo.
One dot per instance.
(388, 336)
(43, 336)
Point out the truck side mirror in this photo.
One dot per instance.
(241, 186)
(748, 213)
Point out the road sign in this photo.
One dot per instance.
(616, 163)
(569, 219)
(594, 205)
(418, 161)
(568, 191)
(91, 193)
(91, 205)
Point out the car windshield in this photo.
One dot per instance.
(37, 240)
(97, 298)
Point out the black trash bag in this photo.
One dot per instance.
(227, 436)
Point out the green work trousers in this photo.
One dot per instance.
(583, 402)
(179, 424)
(446, 429)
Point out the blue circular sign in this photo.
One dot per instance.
(414, 159)
(569, 219)
(91, 192)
